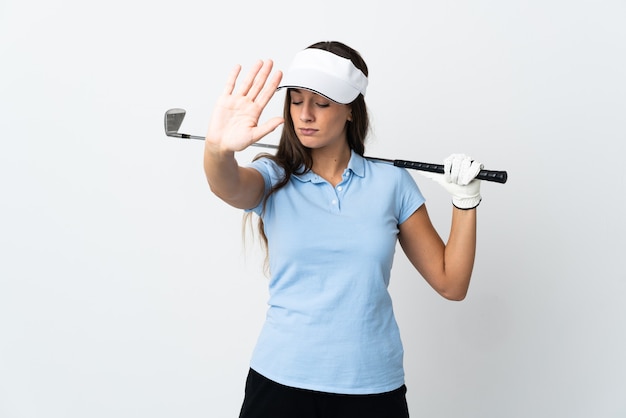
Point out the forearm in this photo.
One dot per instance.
(235, 185)
(459, 253)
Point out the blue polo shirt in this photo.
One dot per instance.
(330, 325)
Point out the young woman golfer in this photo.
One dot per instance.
(330, 346)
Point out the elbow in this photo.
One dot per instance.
(454, 296)
(228, 198)
(454, 287)
(216, 191)
(454, 293)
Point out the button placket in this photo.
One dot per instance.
(338, 191)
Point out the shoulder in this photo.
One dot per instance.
(271, 171)
(397, 183)
(388, 172)
(263, 162)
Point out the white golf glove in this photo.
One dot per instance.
(459, 180)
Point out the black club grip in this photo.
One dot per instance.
(487, 175)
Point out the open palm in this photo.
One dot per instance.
(235, 121)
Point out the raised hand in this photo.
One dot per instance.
(235, 121)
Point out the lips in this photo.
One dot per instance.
(307, 131)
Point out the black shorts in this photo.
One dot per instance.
(265, 398)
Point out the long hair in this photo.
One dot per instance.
(291, 155)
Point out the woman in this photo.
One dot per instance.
(330, 346)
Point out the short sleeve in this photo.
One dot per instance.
(410, 197)
(272, 173)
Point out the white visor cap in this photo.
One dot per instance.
(325, 73)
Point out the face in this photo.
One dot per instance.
(318, 121)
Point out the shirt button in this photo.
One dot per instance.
(339, 188)
(334, 201)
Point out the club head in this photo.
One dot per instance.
(173, 120)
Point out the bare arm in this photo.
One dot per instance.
(447, 267)
(240, 187)
(235, 126)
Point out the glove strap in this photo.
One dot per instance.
(468, 203)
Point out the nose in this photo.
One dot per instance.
(306, 114)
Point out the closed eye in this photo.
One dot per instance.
(322, 105)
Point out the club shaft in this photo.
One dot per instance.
(487, 175)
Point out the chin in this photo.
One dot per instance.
(308, 143)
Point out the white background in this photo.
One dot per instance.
(126, 289)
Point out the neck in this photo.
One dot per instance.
(330, 164)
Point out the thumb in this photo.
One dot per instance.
(267, 127)
(439, 178)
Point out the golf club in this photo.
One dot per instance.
(174, 119)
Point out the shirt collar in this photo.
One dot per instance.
(356, 165)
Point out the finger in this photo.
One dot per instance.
(474, 169)
(430, 175)
(464, 176)
(269, 89)
(232, 79)
(260, 79)
(249, 79)
(265, 128)
(455, 169)
(447, 167)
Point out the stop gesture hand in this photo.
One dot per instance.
(235, 121)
